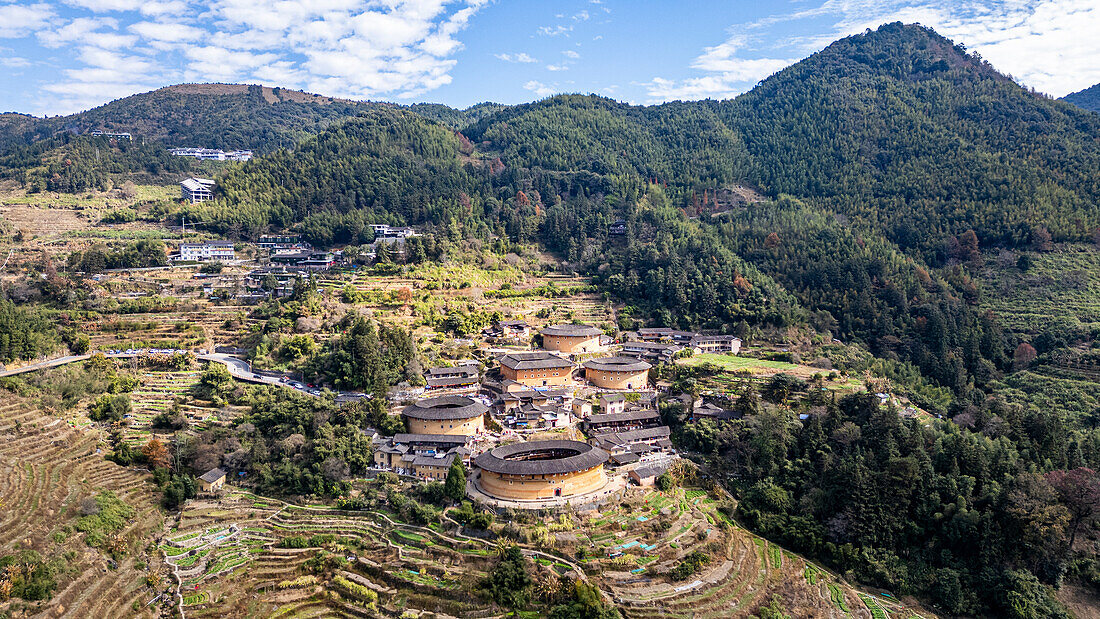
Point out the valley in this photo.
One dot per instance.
(827, 348)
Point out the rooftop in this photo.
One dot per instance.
(617, 364)
(638, 415)
(572, 331)
(446, 439)
(197, 184)
(541, 458)
(533, 361)
(445, 407)
(212, 475)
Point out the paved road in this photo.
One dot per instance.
(42, 365)
(238, 369)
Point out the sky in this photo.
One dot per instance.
(63, 56)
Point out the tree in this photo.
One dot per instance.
(110, 407)
(1023, 356)
(508, 583)
(665, 482)
(585, 602)
(156, 454)
(455, 486)
(1079, 491)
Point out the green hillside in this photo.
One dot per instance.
(1088, 98)
(909, 133)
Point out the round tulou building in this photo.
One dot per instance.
(617, 373)
(571, 339)
(541, 470)
(449, 414)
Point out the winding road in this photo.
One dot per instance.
(238, 369)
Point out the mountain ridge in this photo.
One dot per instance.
(1088, 98)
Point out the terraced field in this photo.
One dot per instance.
(157, 394)
(193, 324)
(513, 293)
(1062, 287)
(229, 559)
(47, 466)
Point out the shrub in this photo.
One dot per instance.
(110, 407)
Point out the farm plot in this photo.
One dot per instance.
(635, 550)
(159, 393)
(249, 555)
(48, 466)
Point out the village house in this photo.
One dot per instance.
(306, 259)
(195, 190)
(400, 453)
(204, 252)
(622, 421)
(536, 369)
(516, 396)
(112, 135)
(646, 474)
(279, 241)
(385, 231)
(463, 378)
(716, 344)
(708, 410)
(633, 445)
(212, 480)
(516, 330)
(658, 352)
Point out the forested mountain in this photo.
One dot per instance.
(1088, 98)
(904, 130)
(226, 116)
(890, 161)
(69, 163)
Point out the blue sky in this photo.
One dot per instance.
(62, 56)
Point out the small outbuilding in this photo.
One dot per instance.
(212, 480)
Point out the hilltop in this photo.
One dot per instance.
(901, 208)
(1088, 98)
(226, 116)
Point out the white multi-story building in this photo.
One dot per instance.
(203, 252)
(384, 231)
(196, 190)
(212, 154)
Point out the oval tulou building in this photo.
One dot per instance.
(541, 470)
(449, 414)
(571, 339)
(617, 373)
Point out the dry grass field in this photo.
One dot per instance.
(48, 467)
(230, 560)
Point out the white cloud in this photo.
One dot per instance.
(571, 54)
(103, 6)
(1049, 44)
(520, 58)
(167, 33)
(348, 48)
(554, 31)
(20, 20)
(557, 67)
(540, 89)
(15, 62)
(730, 74)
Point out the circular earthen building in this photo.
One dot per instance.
(571, 339)
(617, 373)
(449, 414)
(541, 470)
